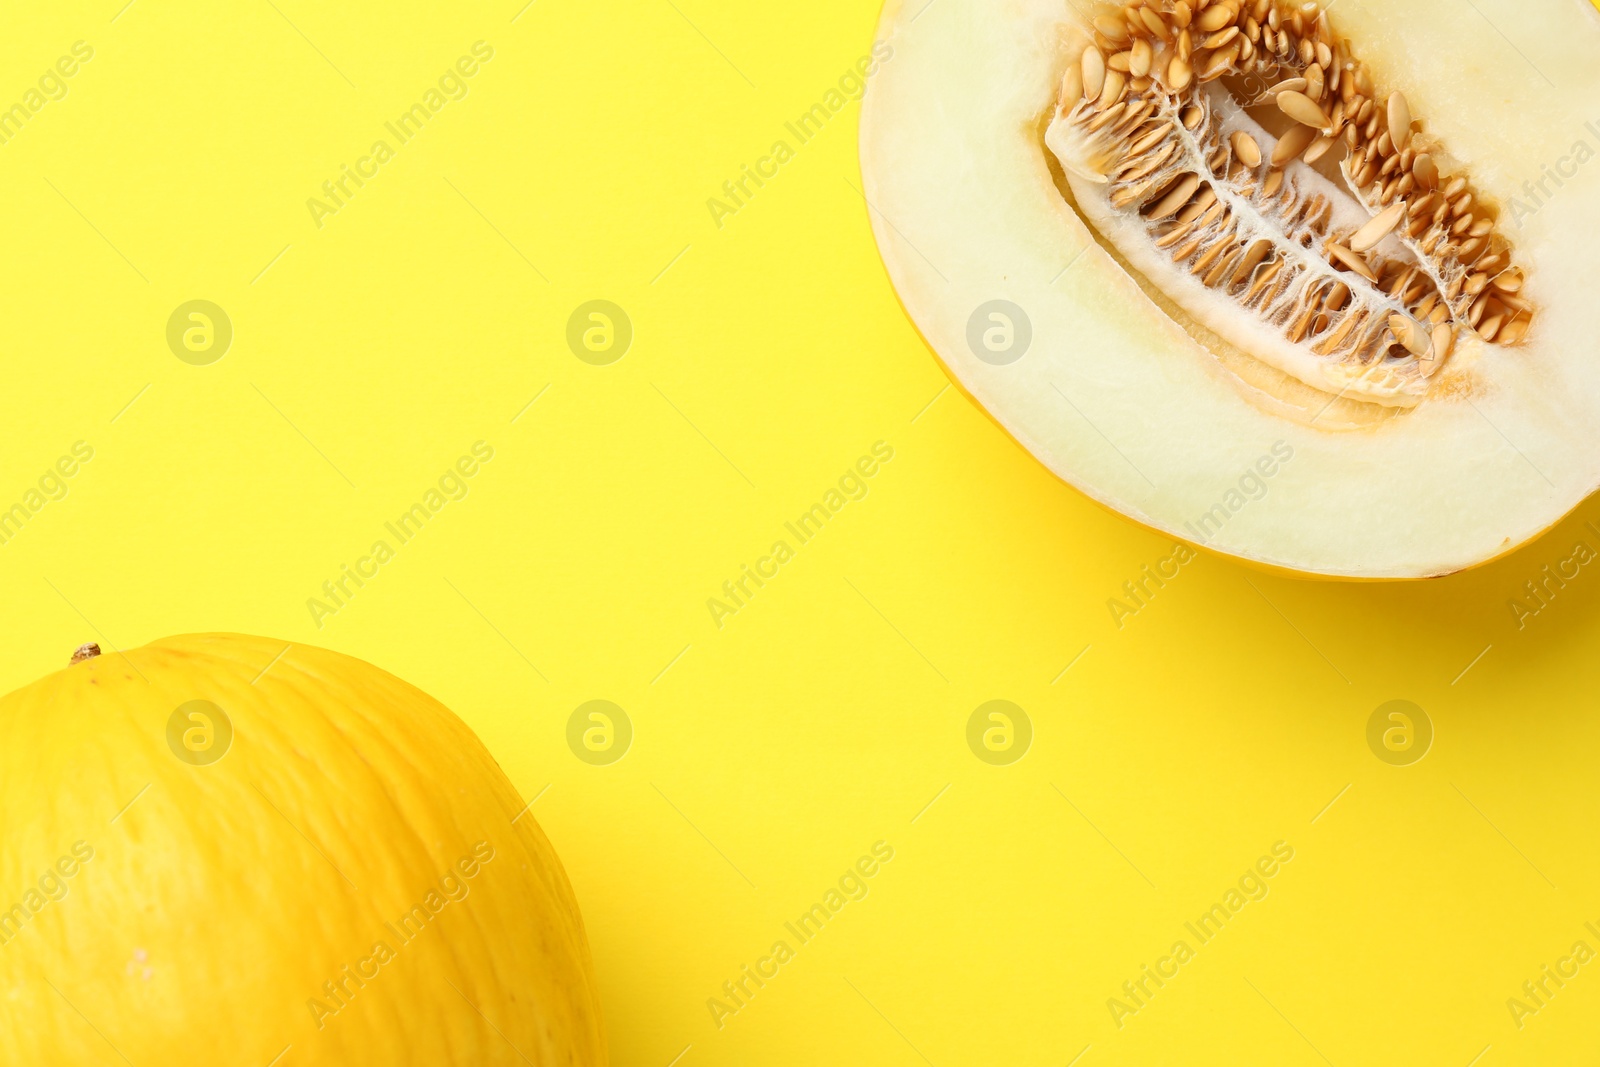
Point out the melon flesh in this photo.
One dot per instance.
(1167, 407)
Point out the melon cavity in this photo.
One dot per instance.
(1358, 286)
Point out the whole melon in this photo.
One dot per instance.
(228, 849)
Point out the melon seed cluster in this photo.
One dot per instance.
(1235, 213)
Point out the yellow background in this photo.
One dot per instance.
(769, 754)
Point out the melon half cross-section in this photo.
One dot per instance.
(1310, 285)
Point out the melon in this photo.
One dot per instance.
(1299, 283)
(227, 849)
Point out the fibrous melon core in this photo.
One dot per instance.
(1340, 251)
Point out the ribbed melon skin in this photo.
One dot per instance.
(221, 898)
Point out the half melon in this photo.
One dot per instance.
(1305, 284)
